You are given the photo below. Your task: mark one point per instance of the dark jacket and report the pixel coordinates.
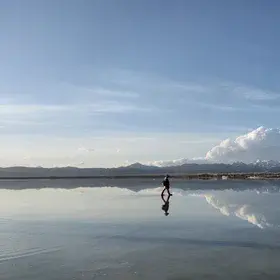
(166, 183)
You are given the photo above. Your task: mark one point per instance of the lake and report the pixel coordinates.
(117, 229)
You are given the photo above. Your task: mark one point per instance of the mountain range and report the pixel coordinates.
(245, 154)
(138, 169)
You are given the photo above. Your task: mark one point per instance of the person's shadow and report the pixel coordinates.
(165, 206)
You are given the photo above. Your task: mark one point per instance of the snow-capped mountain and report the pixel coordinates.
(268, 164)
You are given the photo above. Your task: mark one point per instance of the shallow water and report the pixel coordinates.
(76, 229)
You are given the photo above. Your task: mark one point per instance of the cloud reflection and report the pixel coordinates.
(260, 209)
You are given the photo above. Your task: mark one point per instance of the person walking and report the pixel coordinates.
(166, 185)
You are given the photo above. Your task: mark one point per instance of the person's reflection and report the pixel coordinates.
(165, 206)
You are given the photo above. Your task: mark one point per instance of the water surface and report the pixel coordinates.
(95, 229)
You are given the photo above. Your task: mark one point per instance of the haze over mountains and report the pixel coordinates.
(139, 169)
(256, 151)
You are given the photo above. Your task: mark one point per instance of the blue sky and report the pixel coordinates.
(100, 83)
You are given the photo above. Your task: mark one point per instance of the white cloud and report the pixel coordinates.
(147, 83)
(97, 107)
(25, 115)
(176, 162)
(220, 107)
(245, 107)
(190, 87)
(226, 90)
(91, 92)
(83, 149)
(24, 109)
(113, 149)
(111, 93)
(251, 93)
(117, 107)
(259, 144)
(116, 92)
(231, 97)
(95, 149)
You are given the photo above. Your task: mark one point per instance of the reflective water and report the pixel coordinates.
(79, 230)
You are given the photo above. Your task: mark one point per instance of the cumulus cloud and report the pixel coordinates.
(259, 144)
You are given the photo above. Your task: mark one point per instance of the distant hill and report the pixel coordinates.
(138, 169)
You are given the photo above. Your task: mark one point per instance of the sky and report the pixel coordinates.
(105, 83)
